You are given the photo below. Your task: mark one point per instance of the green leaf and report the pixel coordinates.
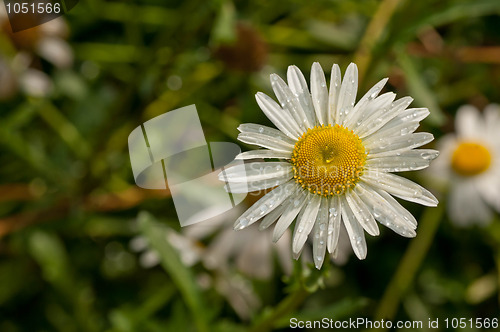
(224, 31)
(454, 13)
(419, 89)
(50, 254)
(180, 274)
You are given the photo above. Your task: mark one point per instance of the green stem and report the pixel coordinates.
(287, 305)
(410, 264)
(373, 34)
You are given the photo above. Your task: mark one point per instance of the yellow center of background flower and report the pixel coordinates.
(470, 159)
(328, 160)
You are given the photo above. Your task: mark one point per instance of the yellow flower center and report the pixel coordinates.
(328, 160)
(470, 159)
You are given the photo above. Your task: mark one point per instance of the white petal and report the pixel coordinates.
(465, 205)
(266, 141)
(289, 101)
(266, 204)
(362, 214)
(295, 205)
(270, 218)
(489, 188)
(492, 121)
(405, 123)
(335, 212)
(400, 187)
(347, 94)
(333, 97)
(358, 110)
(256, 171)
(440, 169)
(388, 146)
(319, 93)
(384, 212)
(246, 187)
(264, 130)
(469, 124)
(298, 85)
(408, 218)
(320, 234)
(383, 101)
(254, 154)
(411, 160)
(305, 222)
(354, 229)
(379, 118)
(281, 118)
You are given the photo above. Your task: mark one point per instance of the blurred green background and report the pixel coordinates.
(74, 227)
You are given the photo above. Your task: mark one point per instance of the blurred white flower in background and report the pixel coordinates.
(47, 40)
(469, 165)
(233, 258)
(20, 54)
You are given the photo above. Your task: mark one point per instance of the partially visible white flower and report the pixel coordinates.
(35, 83)
(15, 75)
(470, 165)
(219, 248)
(239, 293)
(48, 40)
(251, 253)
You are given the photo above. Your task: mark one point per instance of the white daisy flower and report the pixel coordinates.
(337, 158)
(470, 164)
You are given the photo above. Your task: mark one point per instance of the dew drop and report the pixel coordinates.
(427, 155)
